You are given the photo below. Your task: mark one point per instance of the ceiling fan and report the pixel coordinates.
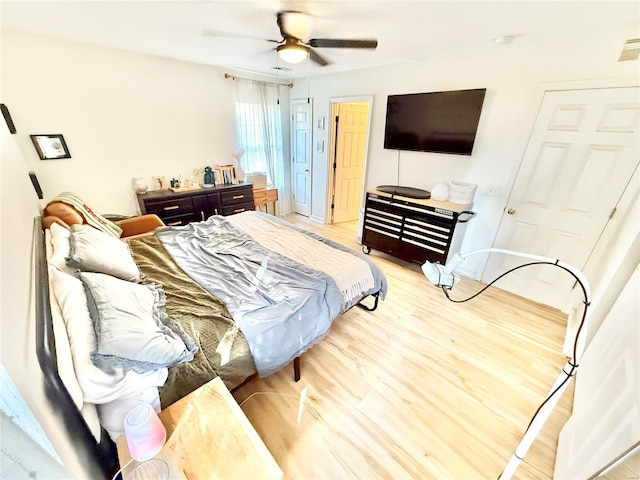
(294, 26)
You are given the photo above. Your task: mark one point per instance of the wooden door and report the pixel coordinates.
(605, 423)
(348, 166)
(301, 112)
(581, 154)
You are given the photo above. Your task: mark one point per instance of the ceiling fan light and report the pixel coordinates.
(293, 53)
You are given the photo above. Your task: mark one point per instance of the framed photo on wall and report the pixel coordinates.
(50, 147)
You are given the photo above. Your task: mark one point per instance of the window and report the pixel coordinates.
(259, 129)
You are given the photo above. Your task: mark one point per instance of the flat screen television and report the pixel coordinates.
(441, 122)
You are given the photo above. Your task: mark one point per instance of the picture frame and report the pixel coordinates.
(160, 183)
(50, 146)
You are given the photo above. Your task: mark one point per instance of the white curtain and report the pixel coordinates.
(259, 129)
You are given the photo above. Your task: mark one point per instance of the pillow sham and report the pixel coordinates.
(59, 247)
(133, 331)
(91, 250)
(97, 386)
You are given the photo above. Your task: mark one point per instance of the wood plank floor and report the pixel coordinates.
(420, 388)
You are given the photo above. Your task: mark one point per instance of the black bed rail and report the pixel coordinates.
(376, 297)
(99, 459)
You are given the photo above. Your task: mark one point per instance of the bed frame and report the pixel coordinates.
(95, 457)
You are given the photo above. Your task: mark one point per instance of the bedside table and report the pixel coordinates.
(264, 196)
(208, 436)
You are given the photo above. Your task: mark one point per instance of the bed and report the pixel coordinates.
(247, 294)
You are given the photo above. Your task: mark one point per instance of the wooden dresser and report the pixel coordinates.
(180, 208)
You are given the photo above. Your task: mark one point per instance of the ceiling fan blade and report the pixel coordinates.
(315, 57)
(217, 33)
(342, 43)
(293, 24)
(280, 22)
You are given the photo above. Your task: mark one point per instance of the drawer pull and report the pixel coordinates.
(239, 210)
(175, 207)
(202, 215)
(235, 197)
(215, 211)
(175, 223)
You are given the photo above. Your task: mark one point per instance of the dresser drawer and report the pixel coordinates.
(237, 208)
(236, 196)
(262, 196)
(170, 207)
(178, 219)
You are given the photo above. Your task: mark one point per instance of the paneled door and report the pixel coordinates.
(581, 154)
(351, 142)
(301, 111)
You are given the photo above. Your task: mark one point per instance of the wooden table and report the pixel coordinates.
(209, 437)
(262, 196)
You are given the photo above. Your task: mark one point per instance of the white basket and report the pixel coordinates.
(460, 192)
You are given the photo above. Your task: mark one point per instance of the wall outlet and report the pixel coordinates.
(493, 190)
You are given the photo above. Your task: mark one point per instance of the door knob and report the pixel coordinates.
(306, 170)
(511, 211)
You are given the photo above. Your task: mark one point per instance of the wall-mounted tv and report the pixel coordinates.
(441, 122)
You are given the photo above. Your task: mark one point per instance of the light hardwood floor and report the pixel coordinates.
(420, 388)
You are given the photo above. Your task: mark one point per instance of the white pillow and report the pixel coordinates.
(91, 250)
(90, 414)
(112, 414)
(97, 386)
(63, 352)
(60, 247)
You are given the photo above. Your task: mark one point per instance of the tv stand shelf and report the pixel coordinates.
(415, 230)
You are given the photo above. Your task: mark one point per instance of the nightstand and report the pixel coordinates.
(264, 196)
(208, 436)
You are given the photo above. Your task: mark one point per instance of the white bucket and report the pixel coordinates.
(460, 192)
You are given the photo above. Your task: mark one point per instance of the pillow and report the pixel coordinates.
(64, 359)
(133, 331)
(60, 247)
(91, 250)
(97, 386)
(112, 414)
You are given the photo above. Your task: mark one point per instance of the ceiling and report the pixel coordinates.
(406, 30)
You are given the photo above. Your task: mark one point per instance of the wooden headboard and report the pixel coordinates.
(99, 459)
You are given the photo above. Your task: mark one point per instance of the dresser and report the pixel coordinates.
(180, 208)
(414, 230)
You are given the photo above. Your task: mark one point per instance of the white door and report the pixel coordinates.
(581, 154)
(301, 111)
(605, 422)
(351, 142)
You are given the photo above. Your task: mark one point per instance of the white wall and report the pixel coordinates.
(122, 115)
(513, 75)
(17, 300)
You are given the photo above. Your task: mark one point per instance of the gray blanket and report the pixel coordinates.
(282, 307)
